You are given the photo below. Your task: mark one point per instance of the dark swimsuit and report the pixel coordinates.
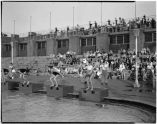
(23, 70)
(50, 66)
(53, 71)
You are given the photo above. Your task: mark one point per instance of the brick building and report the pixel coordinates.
(44, 45)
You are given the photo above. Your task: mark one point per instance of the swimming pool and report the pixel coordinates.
(17, 107)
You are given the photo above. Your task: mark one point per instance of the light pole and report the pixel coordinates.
(50, 21)
(30, 24)
(136, 33)
(101, 13)
(73, 19)
(12, 44)
(12, 50)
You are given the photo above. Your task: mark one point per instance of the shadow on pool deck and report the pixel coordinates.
(122, 90)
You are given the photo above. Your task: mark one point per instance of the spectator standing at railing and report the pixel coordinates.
(116, 21)
(90, 25)
(56, 30)
(109, 22)
(68, 29)
(153, 23)
(96, 26)
(114, 27)
(145, 21)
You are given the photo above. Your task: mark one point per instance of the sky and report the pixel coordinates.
(62, 14)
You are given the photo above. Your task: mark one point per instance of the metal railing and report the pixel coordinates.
(87, 30)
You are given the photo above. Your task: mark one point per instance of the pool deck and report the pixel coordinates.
(123, 90)
(118, 89)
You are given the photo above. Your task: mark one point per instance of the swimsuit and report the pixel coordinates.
(89, 71)
(55, 71)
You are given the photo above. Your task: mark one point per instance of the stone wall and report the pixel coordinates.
(30, 48)
(22, 62)
(74, 44)
(50, 46)
(102, 41)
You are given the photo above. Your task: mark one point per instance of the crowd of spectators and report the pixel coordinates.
(125, 61)
(118, 25)
(123, 64)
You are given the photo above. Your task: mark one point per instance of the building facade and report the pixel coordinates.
(44, 45)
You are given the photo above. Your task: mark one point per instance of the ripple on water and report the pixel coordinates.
(40, 108)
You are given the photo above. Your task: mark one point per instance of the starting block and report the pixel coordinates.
(97, 95)
(10, 85)
(31, 87)
(60, 91)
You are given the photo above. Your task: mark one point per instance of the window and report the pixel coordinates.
(64, 43)
(94, 41)
(83, 42)
(8, 47)
(126, 38)
(59, 43)
(48, 36)
(113, 39)
(119, 39)
(89, 41)
(24, 46)
(148, 37)
(43, 45)
(154, 36)
(21, 46)
(39, 45)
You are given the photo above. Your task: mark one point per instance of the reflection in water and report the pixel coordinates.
(17, 107)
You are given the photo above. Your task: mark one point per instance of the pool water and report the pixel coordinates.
(17, 107)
